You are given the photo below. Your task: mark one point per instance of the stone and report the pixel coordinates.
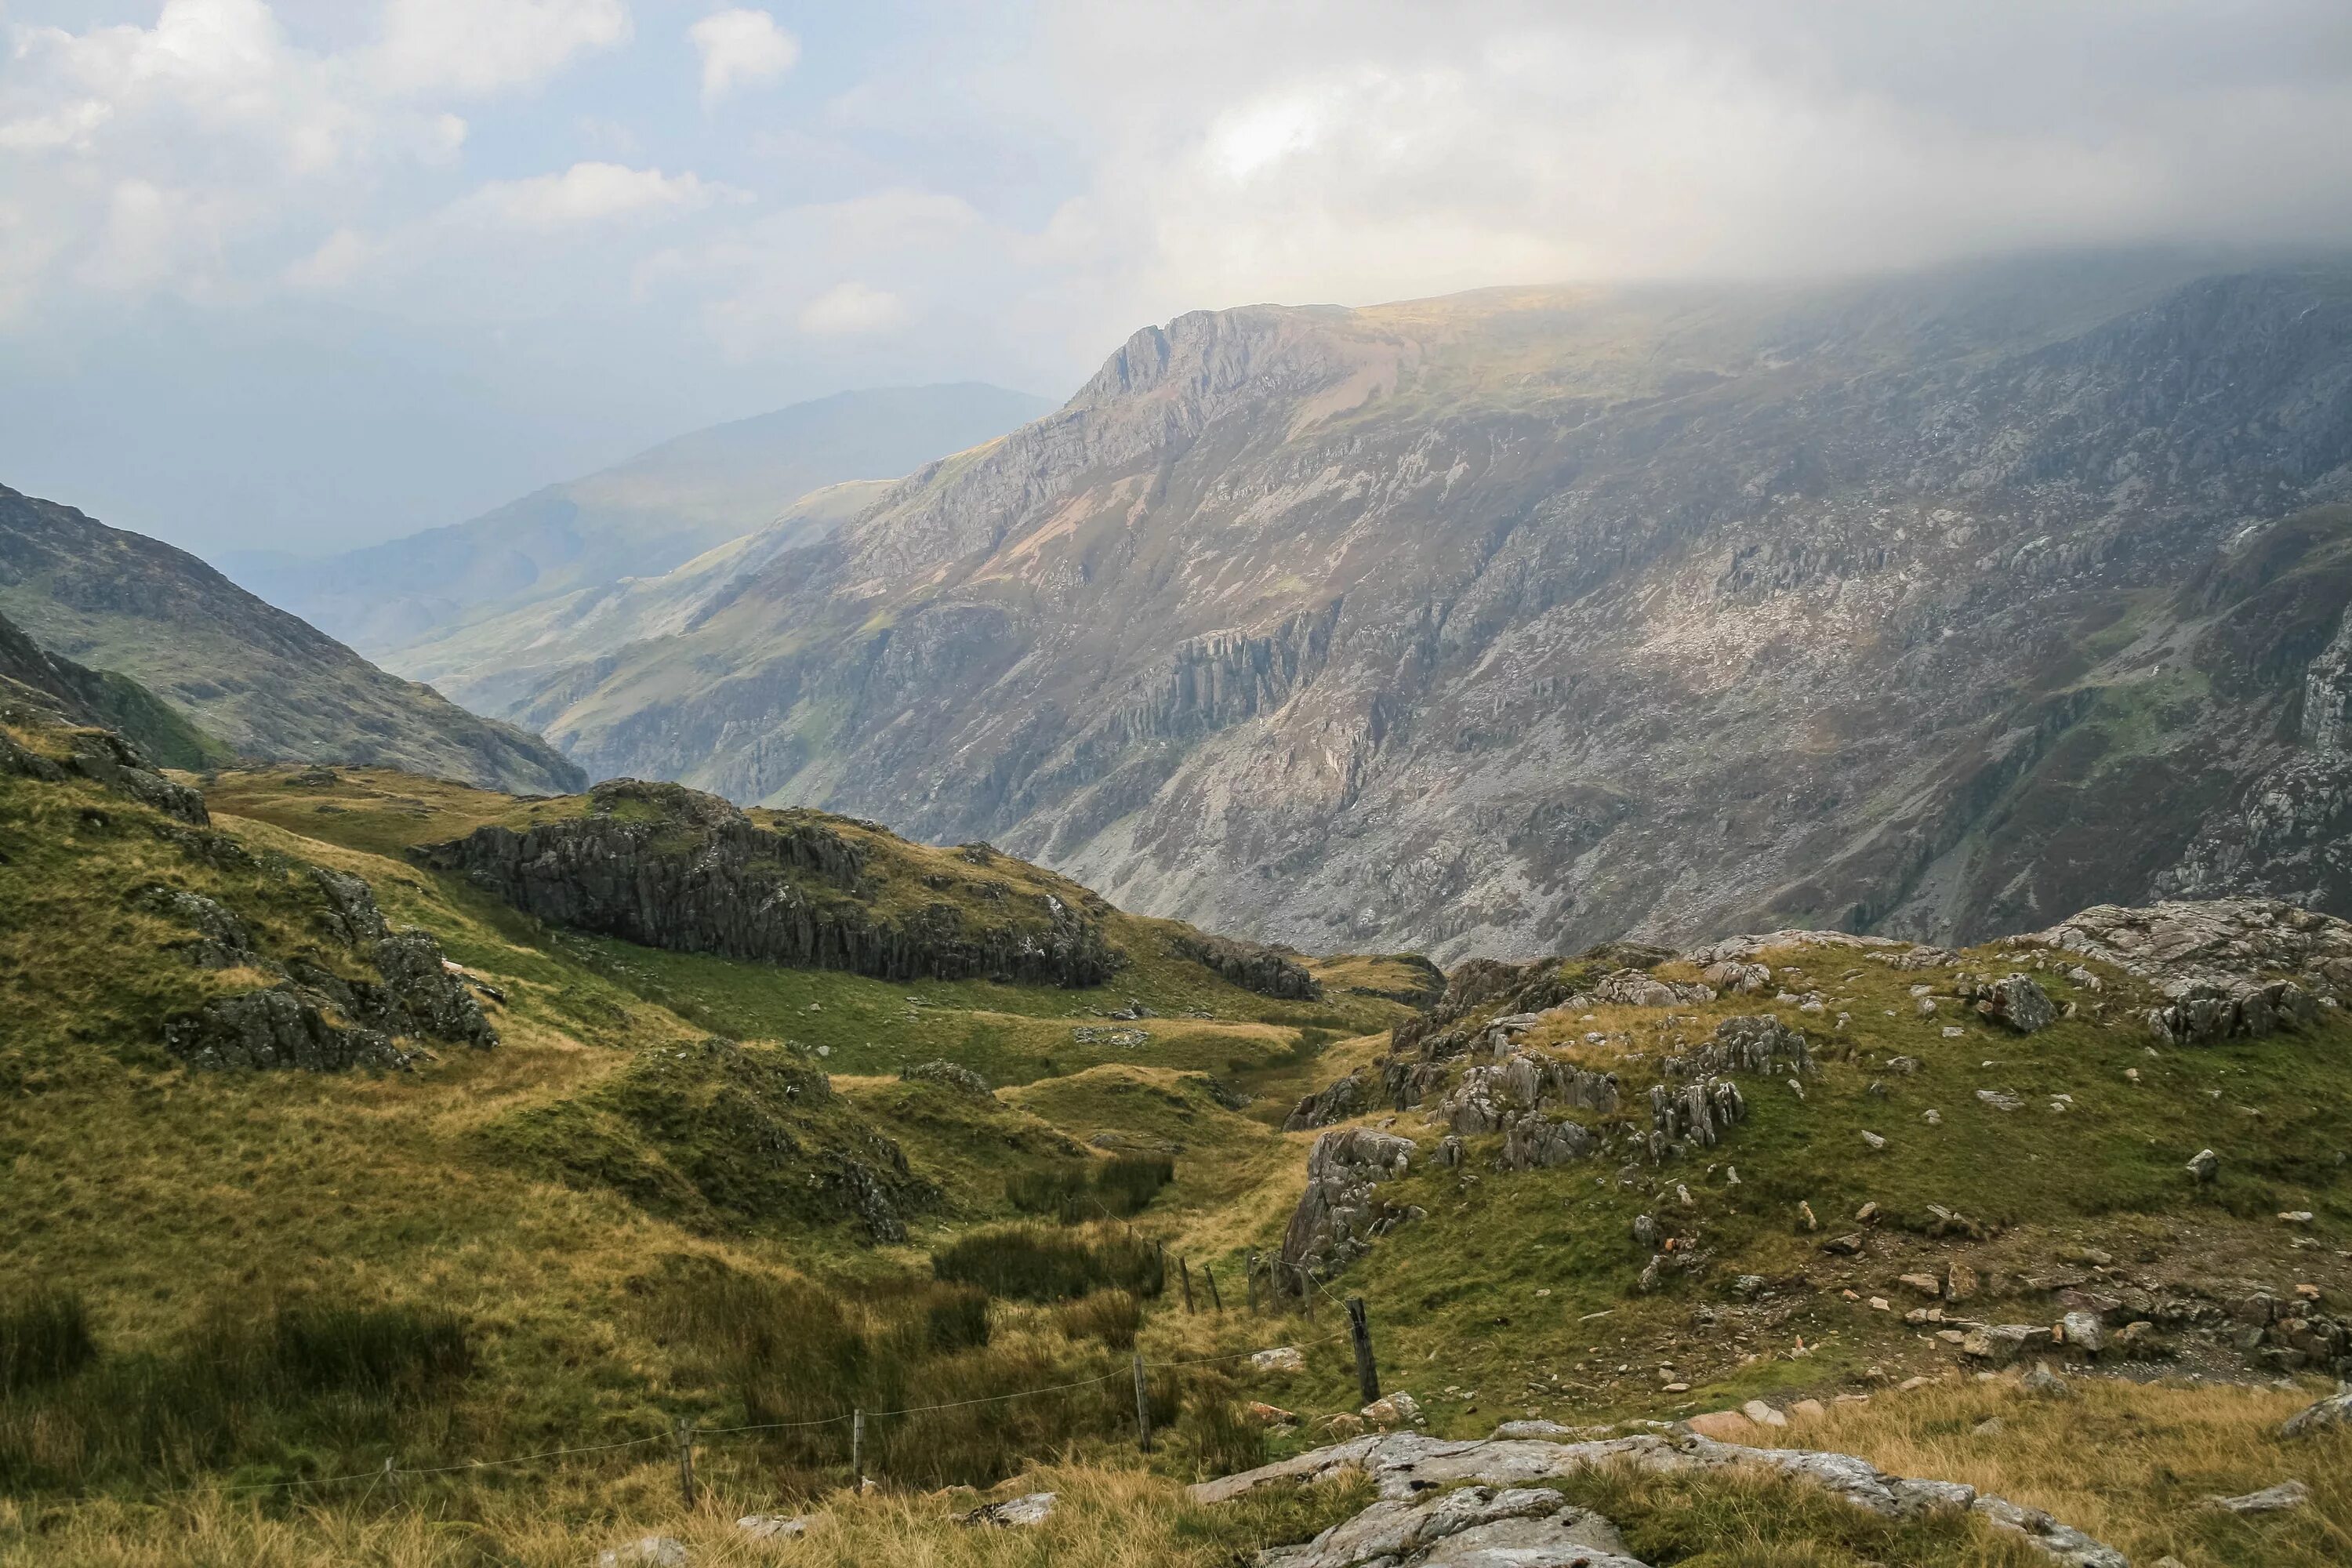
(645, 1551)
(1723, 1426)
(2331, 1415)
(2000, 1343)
(1646, 1230)
(1932, 1117)
(1959, 1282)
(1341, 1211)
(955, 1075)
(1807, 1410)
(2018, 1002)
(1763, 1415)
(2204, 1165)
(1873, 1140)
(1845, 1246)
(1923, 1284)
(1034, 1507)
(1469, 1527)
(1351, 1096)
(2000, 1099)
(772, 1526)
(1282, 1358)
(1392, 1410)
(1270, 1415)
(2083, 1332)
(2045, 1383)
(2279, 1498)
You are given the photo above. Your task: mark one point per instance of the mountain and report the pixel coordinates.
(492, 663)
(1934, 605)
(103, 700)
(264, 682)
(637, 519)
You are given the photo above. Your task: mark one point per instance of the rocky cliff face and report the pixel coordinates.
(672, 867)
(1512, 622)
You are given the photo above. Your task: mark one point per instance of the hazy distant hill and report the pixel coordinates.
(637, 519)
(261, 680)
(1938, 605)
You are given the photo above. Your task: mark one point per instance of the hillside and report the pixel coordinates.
(396, 602)
(263, 682)
(102, 699)
(345, 1121)
(1935, 605)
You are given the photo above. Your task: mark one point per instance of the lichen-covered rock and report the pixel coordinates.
(1344, 1098)
(2017, 1000)
(1341, 1211)
(1252, 966)
(2329, 1414)
(279, 1028)
(955, 1075)
(670, 868)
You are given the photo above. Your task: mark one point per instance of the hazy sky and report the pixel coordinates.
(314, 272)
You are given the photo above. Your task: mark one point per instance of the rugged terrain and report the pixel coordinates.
(101, 698)
(1503, 624)
(414, 603)
(350, 1119)
(264, 684)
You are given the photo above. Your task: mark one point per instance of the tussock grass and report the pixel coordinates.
(1117, 1188)
(44, 1337)
(1030, 1263)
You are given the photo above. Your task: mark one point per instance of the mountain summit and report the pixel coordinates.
(1527, 618)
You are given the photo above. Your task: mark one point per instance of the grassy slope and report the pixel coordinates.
(168, 1198)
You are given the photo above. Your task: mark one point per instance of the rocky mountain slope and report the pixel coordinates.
(266, 684)
(637, 519)
(1506, 623)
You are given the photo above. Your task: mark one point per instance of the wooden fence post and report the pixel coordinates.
(857, 1450)
(685, 1461)
(1142, 1406)
(1368, 1377)
(1249, 1280)
(1184, 1272)
(1215, 1299)
(1306, 1291)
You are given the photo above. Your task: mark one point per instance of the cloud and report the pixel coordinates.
(482, 46)
(741, 49)
(851, 308)
(582, 194)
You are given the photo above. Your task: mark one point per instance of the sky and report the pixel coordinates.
(308, 274)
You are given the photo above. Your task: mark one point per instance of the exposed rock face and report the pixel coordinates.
(955, 1075)
(1470, 626)
(2327, 1415)
(106, 759)
(1341, 1210)
(1253, 966)
(2015, 1000)
(2221, 964)
(1347, 1097)
(318, 1018)
(672, 867)
(1413, 1474)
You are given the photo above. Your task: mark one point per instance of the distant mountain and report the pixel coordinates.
(638, 519)
(493, 664)
(263, 681)
(105, 700)
(1938, 606)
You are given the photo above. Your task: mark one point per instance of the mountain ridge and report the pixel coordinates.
(1473, 623)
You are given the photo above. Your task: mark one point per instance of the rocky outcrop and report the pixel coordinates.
(2224, 967)
(2015, 1000)
(955, 1075)
(1342, 1211)
(1417, 1520)
(1351, 1096)
(318, 1018)
(108, 760)
(671, 867)
(1253, 966)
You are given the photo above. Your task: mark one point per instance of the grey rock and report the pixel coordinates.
(1471, 1527)
(1351, 1096)
(1253, 966)
(2018, 1001)
(955, 1075)
(1034, 1507)
(666, 867)
(645, 1551)
(772, 1526)
(1341, 1211)
(1997, 1344)
(2045, 1383)
(2331, 1414)
(2204, 1165)
(2279, 1498)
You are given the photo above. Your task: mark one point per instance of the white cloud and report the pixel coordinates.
(483, 46)
(583, 194)
(741, 49)
(851, 308)
(334, 264)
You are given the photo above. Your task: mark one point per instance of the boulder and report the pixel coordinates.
(1999, 1344)
(2204, 1165)
(1723, 1426)
(772, 1526)
(1351, 1096)
(1281, 1359)
(1341, 1211)
(1035, 1508)
(2331, 1415)
(955, 1075)
(645, 1551)
(2279, 1498)
(2017, 1000)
